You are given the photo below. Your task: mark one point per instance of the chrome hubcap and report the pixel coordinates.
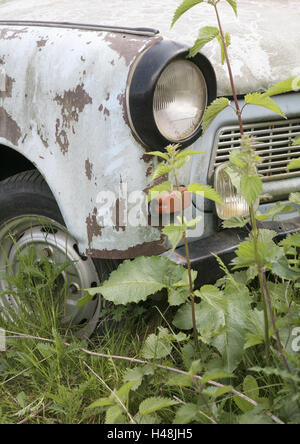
(43, 238)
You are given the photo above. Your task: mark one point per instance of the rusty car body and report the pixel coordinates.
(78, 80)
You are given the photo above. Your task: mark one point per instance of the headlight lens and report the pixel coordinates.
(234, 204)
(180, 99)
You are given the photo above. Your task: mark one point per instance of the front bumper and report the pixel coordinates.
(223, 244)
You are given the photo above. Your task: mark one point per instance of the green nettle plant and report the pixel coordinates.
(245, 321)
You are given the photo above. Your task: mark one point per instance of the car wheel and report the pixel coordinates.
(30, 221)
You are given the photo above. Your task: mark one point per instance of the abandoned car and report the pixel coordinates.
(88, 90)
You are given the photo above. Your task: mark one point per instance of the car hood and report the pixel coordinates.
(265, 37)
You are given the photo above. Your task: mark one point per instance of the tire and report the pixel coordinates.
(30, 220)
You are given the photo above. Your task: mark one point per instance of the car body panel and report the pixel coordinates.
(263, 35)
(63, 108)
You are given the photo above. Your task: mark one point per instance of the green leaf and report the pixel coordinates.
(123, 391)
(178, 296)
(213, 110)
(186, 414)
(243, 405)
(154, 404)
(205, 191)
(161, 170)
(183, 8)
(159, 154)
(282, 87)
(180, 380)
(233, 4)
(214, 375)
(157, 346)
(235, 222)
(158, 190)
(174, 233)
(215, 392)
(251, 388)
(188, 153)
(205, 35)
(102, 402)
(294, 164)
(135, 280)
(276, 209)
(183, 317)
(114, 415)
(264, 101)
(296, 141)
(251, 188)
(295, 198)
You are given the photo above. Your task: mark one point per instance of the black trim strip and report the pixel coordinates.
(120, 29)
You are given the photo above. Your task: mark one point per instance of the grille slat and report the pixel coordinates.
(274, 145)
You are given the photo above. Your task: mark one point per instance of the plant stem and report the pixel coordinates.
(261, 276)
(237, 106)
(189, 268)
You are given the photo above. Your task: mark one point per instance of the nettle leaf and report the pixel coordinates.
(276, 209)
(156, 191)
(186, 414)
(174, 233)
(264, 101)
(205, 35)
(157, 346)
(213, 110)
(251, 388)
(221, 318)
(296, 141)
(188, 153)
(295, 198)
(154, 404)
(205, 191)
(183, 8)
(233, 4)
(159, 154)
(178, 296)
(251, 188)
(135, 280)
(161, 170)
(282, 87)
(235, 222)
(115, 415)
(294, 164)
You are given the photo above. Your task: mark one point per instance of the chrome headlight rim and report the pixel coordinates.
(142, 85)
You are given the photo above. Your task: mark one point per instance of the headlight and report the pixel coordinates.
(180, 99)
(167, 95)
(234, 204)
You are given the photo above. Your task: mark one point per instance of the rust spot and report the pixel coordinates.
(112, 62)
(127, 49)
(7, 88)
(41, 43)
(107, 96)
(24, 138)
(105, 110)
(10, 33)
(146, 158)
(9, 129)
(82, 59)
(149, 171)
(122, 101)
(73, 103)
(2, 61)
(93, 228)
(61, 138)
(145, 249)
(44, 141)
(88, 169)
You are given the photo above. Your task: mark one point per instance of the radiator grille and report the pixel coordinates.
(274, 146)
